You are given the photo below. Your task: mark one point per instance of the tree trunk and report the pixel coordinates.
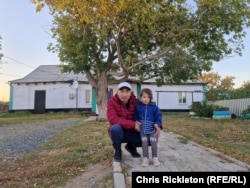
(101, 98)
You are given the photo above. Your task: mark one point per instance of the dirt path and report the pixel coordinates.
(93, 177)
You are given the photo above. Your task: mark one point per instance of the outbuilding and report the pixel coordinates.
(47, 88)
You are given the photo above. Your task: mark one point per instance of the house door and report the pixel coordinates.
(109, 93)
(39, 102)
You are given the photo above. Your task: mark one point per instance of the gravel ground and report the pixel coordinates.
(17, 140)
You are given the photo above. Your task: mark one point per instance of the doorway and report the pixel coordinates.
(39, 107)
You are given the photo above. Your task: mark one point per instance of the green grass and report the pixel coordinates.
(68, 154)
(230, 136)
(60, 159)
(26, 116)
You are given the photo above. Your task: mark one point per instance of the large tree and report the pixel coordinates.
(117, 40)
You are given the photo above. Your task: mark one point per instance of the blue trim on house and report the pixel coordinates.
(204, 93)
(138, 90)
(11, 98)
(93, 104)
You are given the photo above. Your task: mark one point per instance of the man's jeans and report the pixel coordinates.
(119, 136)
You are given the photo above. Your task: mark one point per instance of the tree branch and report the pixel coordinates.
(117, 42)
(156, 56)
(90, 78)
(118, 74)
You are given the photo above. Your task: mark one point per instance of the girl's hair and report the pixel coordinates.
(148, 92)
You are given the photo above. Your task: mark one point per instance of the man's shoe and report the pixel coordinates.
(132, 151)
(118, 155)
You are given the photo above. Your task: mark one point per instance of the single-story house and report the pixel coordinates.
(48, 89)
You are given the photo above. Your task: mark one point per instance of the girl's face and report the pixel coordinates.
(145, 98)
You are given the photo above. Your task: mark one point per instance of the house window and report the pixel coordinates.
(182, 97)
(87, 96)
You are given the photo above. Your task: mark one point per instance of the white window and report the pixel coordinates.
(87, 96)
(182, 97)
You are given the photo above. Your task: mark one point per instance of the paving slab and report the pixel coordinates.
(177, 154)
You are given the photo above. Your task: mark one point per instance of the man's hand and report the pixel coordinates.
(138, 126)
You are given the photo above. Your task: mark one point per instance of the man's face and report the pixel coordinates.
(124, 94)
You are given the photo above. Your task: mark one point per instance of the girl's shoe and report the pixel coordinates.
(144, 162)
(156, 161)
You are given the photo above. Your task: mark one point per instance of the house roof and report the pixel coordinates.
(53, 73)
(50, 73)
(187, 82)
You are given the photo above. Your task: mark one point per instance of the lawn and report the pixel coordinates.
(68, 154)
(230, 136)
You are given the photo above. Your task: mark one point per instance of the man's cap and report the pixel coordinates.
(124, 84)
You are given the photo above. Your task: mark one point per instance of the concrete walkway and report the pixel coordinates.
(176, 155)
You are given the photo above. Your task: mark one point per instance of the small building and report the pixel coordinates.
(48, 89)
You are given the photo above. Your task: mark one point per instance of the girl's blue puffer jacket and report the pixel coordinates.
(148, 115)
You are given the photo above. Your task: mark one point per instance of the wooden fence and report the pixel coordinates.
(236, 106)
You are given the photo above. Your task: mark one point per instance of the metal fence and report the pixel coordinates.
(236, 106)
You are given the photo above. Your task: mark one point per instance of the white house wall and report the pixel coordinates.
(58, 96)
(21, 98)
(169, 100)
(82, 96)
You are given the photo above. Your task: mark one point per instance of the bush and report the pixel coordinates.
(202, 109)
(246, 111)
(195, 107)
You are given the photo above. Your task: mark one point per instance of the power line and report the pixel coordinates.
(32, 68)
(46, 31)
(18, 62)
(10, 75)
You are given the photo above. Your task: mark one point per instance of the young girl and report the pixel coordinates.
(151, 124)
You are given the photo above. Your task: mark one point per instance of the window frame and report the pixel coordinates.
(87, 96)
(182, 97)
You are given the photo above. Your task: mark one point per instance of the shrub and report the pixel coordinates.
(196, 106)
(202, 109)
(246, 111)
(233, 116)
